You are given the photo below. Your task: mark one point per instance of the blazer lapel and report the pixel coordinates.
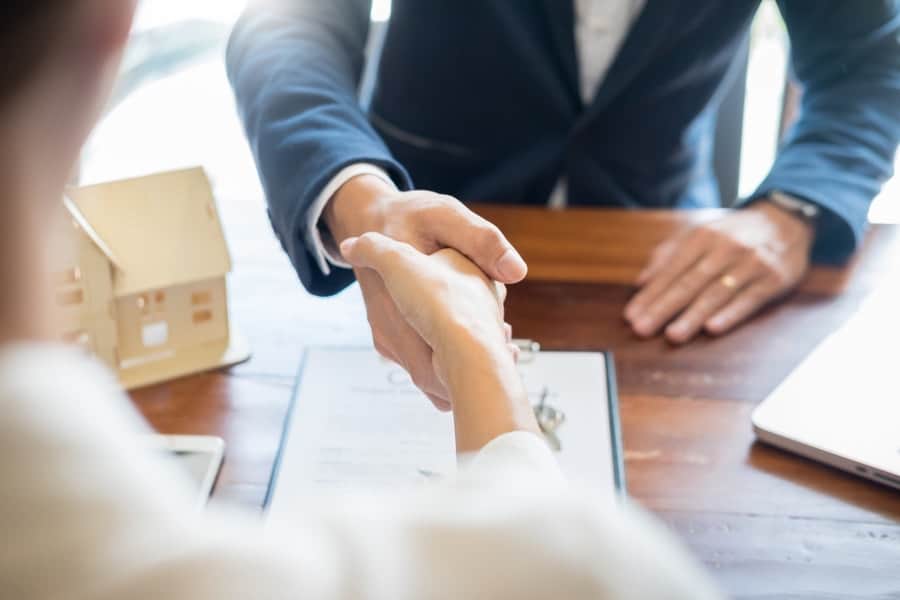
(649, 31)
(560, 16)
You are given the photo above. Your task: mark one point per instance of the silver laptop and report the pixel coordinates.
(841, 406)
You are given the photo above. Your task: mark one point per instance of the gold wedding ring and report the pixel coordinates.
(729, 281)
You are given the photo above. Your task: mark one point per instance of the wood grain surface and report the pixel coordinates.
(767, 524)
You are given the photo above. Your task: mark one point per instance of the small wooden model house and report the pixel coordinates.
(144, 285)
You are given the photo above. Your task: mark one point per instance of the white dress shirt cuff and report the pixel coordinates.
(321, 243)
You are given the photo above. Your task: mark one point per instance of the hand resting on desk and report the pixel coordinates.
(717, 275)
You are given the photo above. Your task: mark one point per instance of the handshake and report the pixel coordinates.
(451, 314)
(433, 281)
(432, 278)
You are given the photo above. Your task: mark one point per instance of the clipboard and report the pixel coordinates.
(333, 439)
(530, 349)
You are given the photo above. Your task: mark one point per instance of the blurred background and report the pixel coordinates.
(173, 106)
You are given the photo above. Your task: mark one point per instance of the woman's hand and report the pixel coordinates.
(458, 311)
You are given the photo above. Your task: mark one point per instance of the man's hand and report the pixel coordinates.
(714, 276)
(428, 222)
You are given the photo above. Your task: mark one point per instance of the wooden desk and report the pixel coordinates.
(767, 524)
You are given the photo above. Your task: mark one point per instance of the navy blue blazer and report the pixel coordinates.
(480, 99)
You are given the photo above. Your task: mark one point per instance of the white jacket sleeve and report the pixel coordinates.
(87, 513)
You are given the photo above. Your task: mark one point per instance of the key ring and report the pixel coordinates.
(549, 419)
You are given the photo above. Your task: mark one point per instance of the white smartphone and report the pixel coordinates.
(200, 456)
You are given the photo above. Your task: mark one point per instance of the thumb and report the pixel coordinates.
(367, 251)
(378, 252)
(482, 242)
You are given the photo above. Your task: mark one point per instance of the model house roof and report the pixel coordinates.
(158, 231)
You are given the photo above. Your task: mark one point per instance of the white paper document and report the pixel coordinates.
(358, 421)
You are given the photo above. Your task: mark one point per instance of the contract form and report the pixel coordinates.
(357, 421)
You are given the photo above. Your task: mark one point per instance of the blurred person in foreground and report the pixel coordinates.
(86, 512)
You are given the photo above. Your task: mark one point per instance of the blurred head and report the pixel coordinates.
(58, 62)
(59, 58)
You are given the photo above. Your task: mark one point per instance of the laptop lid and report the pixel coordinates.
(841, 405)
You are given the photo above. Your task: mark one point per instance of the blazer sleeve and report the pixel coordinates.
(295, 66)
(846, 56)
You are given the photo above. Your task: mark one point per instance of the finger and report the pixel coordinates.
(439, 403)
(742, 306)
(681, 292)
(686, 253)
(507, 329)
(421, 372)
(418, 362)
(660, 257)
(480, 240)
(417, 359)
(403, 345)
(391, 261)
(388, 257)
(716, 295)
(362, 253)
(383, 350)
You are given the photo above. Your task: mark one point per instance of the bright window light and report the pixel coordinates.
(381, 10)
(158, 13)
(766, 75)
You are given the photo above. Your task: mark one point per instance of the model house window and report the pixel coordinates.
(202, 316)
(201, 298)
(155, 334)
